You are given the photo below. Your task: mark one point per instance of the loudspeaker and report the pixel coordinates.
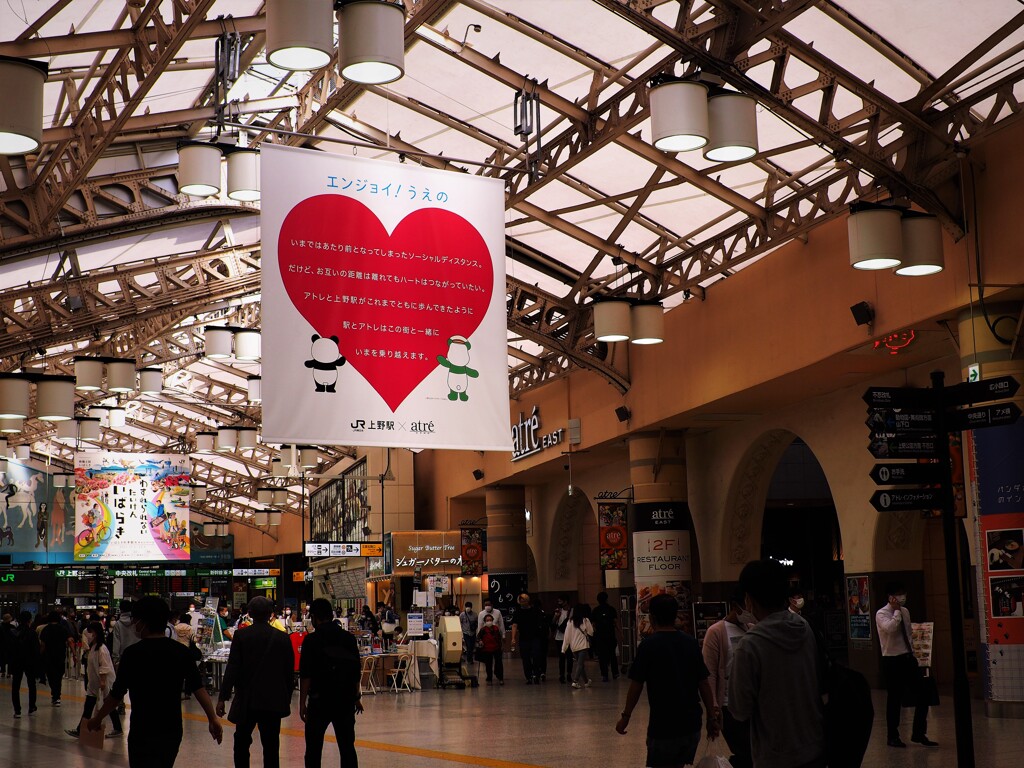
(478, 474)
(622, 412)
(863, 313)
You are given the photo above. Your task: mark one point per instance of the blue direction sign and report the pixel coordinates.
(903, 501)
(906, 474)
(981, 391)
(910, 447)
(986, 416)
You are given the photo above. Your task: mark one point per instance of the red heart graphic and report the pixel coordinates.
(393, 300)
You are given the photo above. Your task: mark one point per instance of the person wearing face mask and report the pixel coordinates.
(900, 668)
(489, 648)
(719, 644)
(490, 610)
(100, 678)
(796, 601)
(470, 624)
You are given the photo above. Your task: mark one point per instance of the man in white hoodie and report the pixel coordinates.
(490, 610)
(774, 679)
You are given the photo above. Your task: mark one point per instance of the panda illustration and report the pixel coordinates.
(325, 362)
(459, 372)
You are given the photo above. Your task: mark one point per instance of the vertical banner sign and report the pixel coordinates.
(131, 507)
(383, 304)
(661, 560)
(858, 607)
(611, 535)
(474, 551)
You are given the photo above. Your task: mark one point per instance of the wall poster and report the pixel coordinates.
(37, 522)
(858, 607)
(611, 535)
(383, 304)
(661, 560)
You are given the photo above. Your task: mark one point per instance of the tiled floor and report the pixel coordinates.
(514, 726)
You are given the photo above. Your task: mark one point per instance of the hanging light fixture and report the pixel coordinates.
(921, 234)
(88, 374)
(209, 529)
(55, 398)
(217, 341)
(300, 36)
(875, 235)
(15, 394)
(120, 376)
(151, 381)
(247, 344)
(227, 439)
(371, 40)
(648, 323)
(679, 115)
(10, 426)
(223, 529)
(732, 125)
(60, 480)
(198, 168)
(287, 456)
(89, 428)
(243, 174)
(21, 93)
(280, 496)
(3, 445)
(67, 430)
(205, 441)
(273, 517)
(246, 438)
(198, 492)
(265, 495)
(117, 417)
(611, 320)
(255, 387)
(260, 519)
(278, 469)
(23, 452)
(309, 457)
(101, 414)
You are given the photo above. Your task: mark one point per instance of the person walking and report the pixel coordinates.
(24, 660)
(153, 671)
(902, 674)
(490, 649)
(259, 671)
(578, 633)
(368, 621)
(7, 627)
(123, 633)
(719, 643)
(329, 672)
(99, 678)
(469, 621)
(490, 610)
(606, 637)
(526, 637)
(669, 663)
(54, 643)
(559, 619)
(774, 681)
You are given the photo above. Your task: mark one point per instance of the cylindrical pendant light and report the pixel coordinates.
(247, 345)
(732, 123)
(217, 341)
(648, 324)
(244, 174)
(199, 169)
(59, 480)
(679, 115)
(288, 455)
(371, 41)
(246, 438)
(15, 394)
(227, 438)
(101, 414)
(255, 386)
(21, 93)
(273, 517)
(205, 441)
(67, 430)
(210, 529)
(611, 320)
(278, 469)
(23, 452)
(309, 457)
(198, 493)
(151, 381)
(260, 519)
(921, 234)
(55, 398)
(265, 495)
(875, 235)
(280, 496)
(13, 426)
(117, 417)
(300, 36)
(223, 529)
(89, 428)
(3, 445)
(120, 376)
(88, 374)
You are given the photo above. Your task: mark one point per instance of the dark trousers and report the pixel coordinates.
(89, 708)
(153, 748)
(532, 652)
(18, 673)
(343, 718)
(737, 736)
(564, 665)
(469, 643)
(55, 677)
(269, 724)
(493, 664)
(605, 647)
(902, 679)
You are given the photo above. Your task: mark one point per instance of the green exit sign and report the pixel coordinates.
(265, 582)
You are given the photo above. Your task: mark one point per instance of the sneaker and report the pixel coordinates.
(115, 734)
(588, 683)
(56, 703)
(32, 710)
(924, 741)
(576, 686)
(17, 715)
(72, 732)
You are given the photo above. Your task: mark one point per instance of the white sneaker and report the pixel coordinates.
(577, 686)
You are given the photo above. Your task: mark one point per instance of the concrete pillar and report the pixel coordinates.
(998, 472)
(506, 529)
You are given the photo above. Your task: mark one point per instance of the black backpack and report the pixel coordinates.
(849, 713)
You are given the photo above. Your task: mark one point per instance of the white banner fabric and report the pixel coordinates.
(383, 304)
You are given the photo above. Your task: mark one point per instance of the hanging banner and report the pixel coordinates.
(383, 304)
(611, 535)
(131, 507)
(36, 519)
(661, 560)
(474, 551)
(210, 549)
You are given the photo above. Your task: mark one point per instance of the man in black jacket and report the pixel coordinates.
(329, 672)
(23, 661)
(259, 670)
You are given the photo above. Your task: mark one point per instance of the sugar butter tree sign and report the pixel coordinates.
(383, 304)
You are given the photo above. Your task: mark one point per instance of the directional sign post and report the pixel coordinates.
(980, 391)
(901, 421)
(905, 501)
(910, 447)
(986, 416)
(899, 397)
(906, 474)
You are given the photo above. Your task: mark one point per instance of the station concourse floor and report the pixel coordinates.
(513, 726)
